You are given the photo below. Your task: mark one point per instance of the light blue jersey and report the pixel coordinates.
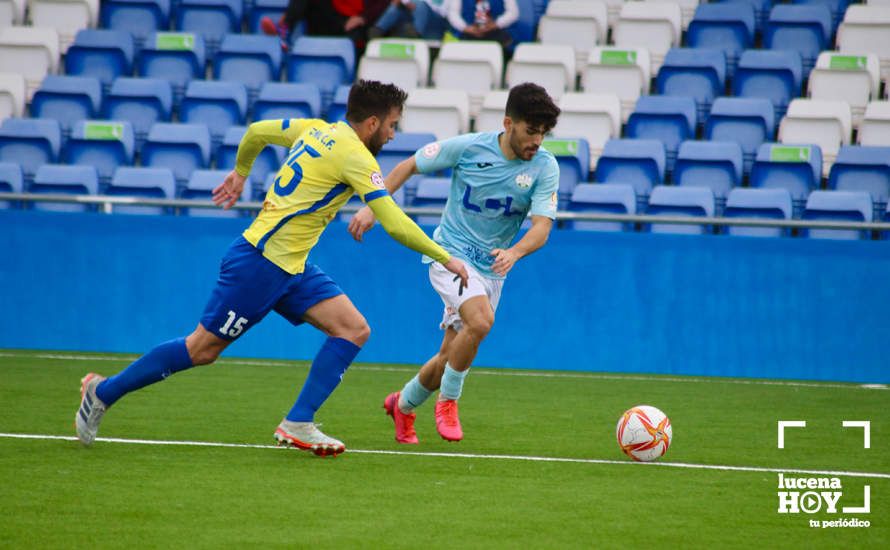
(490, 196)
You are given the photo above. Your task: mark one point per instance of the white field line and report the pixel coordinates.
(487, 372)
(470, 456)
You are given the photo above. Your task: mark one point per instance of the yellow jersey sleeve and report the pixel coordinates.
(259, 134)
(401, 228)
(362, 173)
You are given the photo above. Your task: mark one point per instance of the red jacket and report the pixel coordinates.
(370, 10)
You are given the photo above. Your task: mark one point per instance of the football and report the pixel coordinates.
(644, 433)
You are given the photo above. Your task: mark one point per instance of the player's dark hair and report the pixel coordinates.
(531, 103)
(369, 98)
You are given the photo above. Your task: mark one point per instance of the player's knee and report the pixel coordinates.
(480, 325)
(356, 331)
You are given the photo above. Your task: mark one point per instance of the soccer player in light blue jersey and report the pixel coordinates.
(498, 179)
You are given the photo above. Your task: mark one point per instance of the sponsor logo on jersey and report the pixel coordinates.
(524, 181)
(377, 180)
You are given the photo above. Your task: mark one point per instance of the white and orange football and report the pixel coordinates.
(644, 433)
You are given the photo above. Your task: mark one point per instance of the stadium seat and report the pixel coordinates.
(836, 7)
(687, 10)
(142, 101)
(655, 26)
(337, 109)
(183, 148)
(581, 25)
(596, 118)
(12, 95)
(696, 73)
(58, 179)
(795, 168)
(32, 52)
(854, 206)
(855, 79)
(278, 100)
(273, 9)
(200, 187)
(573, 157)
(102, 54)
(267, 162)
(728, 26)
(523, 30)
(325, 61)
(680, 201)
(68, 99)
(402, 146)
(602, 198)
(445, 112)
(713, 164)
(431, 192)
(863, 169)
(491, 116)
(474, 67)
(624, 72)
(772, 74)
(260, 194)
(404, 62)
(30, 142)
(12, 180)
(875, 127)
(105, 144)
(175, 57)
(805, 29)
(138, 17)
(772, 204)
(823, 122)
(251, 60)
(867, 29)
(746, 121)
(637, 162)
(66, 16)
(12, 12)
(551, 66)
(761, 11)
(155, 183)
(217, 105)
(672, 120)
(212, 19)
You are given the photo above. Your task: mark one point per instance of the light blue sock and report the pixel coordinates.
(452, 383)
(156, 365)
(325, 374)
(413, 395)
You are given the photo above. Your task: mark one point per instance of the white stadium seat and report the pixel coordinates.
(651, 25)
(404, 62)
(491, 116)
(687, 10)
(867, 29)
(475, 67)
(620, 71)
(12, 95)
(444, 113)
(848, 77)
(32, 52)
(581, 25)
(594, 117)
(614, 9)
(12, 12)
(826, 123)
(551, 66)
(875, 127)
(66, 16)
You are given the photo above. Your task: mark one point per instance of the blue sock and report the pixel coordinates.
(413, 395)
(325, 374)
(154, 366)
(452, 383)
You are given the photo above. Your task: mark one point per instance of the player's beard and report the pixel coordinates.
(524, 154)
(377, 141)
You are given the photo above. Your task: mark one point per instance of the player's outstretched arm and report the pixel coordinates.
(261, 133)
(228, 192)
(363, 220)
(534, 238)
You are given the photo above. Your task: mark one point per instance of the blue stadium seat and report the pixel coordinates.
(671, 120)
(776, 75)
(251, 60)
(138, 17)
(637, 162)
(855, 206)
(680, 201)
(602, 198)
(573, 157)
(697, 73)
(805, 29)
(59, 179)
(155, 183)
(218, 105)
(761, 11)
(12, 180)
(212, 19)
(141, 101)
(402, 146)
(431, 192)
(260, 194)
(797, 168)
(772, 204)
(102, 54)
(278, 100)
(337, 109)
(105, 144)
(267, 162)
(713, 164)
(274, 9)
(183, 148)
(67, 99)
(176, 57)
(861, 168)
(200, 186)
(837, 8)
(727, 26)
(326, 62)
(30, 142)
(746, 121)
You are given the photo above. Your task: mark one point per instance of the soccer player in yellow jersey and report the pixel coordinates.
(266, 268)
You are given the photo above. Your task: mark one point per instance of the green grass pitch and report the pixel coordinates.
(56, 494)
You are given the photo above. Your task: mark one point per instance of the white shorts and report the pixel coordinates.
(449, 290)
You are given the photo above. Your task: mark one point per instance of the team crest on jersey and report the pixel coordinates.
(524, 181)
(377, 180)
(430, 150)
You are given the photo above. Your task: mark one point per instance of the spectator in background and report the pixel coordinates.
(413, 19)
(349, 18)
(484, 19)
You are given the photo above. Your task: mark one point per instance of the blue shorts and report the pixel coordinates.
(250, 286)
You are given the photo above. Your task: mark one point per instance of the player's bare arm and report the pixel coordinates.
(534, 238)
